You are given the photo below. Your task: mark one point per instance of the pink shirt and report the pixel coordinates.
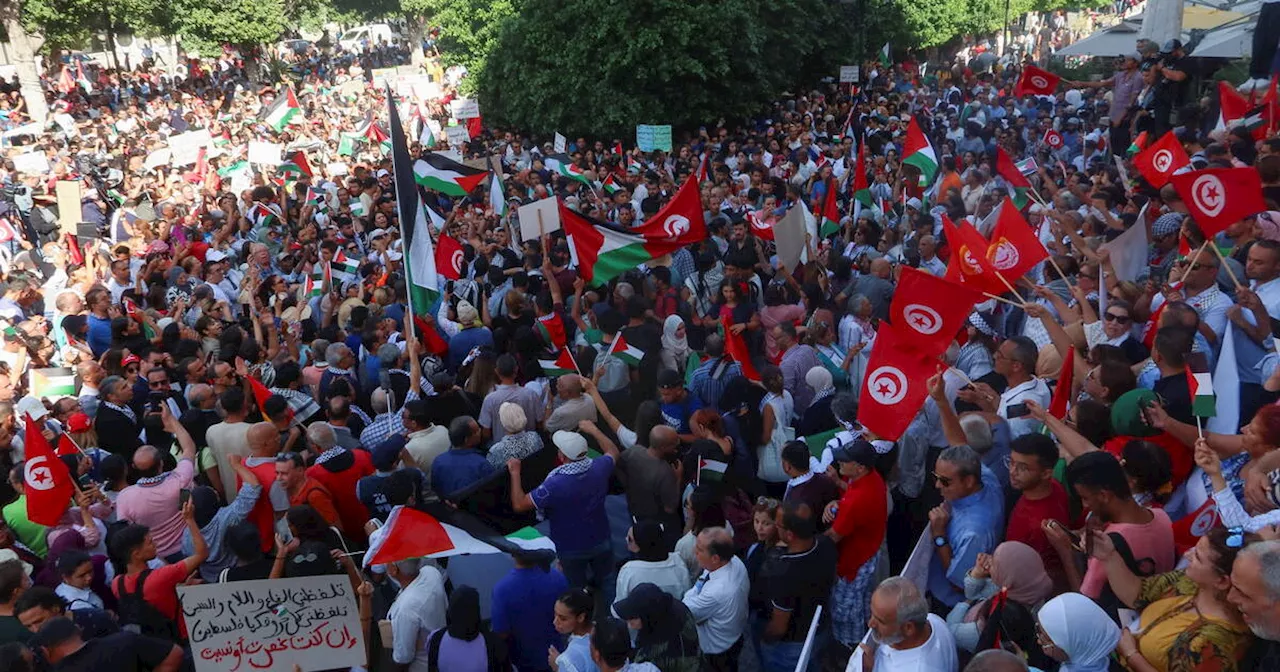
(1151, 542)
(772, 316)
(156, 506)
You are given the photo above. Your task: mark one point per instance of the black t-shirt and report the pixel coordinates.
(121, 652)
(1177, 397)
(800, 582)
(254, 571)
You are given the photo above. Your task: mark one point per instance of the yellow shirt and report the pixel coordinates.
(1176, 637)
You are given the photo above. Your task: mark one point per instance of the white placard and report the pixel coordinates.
(31, 163)
(274, 624)
(548, 209)
(788, 234)
(158, 158)
(264, 153)
(561, 144)
(464, 108)
(849, 74)
(456, 135)
(185, 147)
(67, 123)
(336, 169)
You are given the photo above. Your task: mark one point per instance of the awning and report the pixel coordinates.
(1232, 41)
(1117, 40)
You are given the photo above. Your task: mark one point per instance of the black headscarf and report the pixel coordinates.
(662, 619)
(464, 613)
(205, 501)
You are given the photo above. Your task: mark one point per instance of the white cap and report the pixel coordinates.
(213, 256)
(392, 255)
(571, 444)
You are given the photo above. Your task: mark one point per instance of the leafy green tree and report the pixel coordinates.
(469, 31)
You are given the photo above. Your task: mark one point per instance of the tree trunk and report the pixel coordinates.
(417, 30)
(25, 45)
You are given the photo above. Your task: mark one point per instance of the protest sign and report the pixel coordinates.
(381, 76)
(849, 74)
(31, 163)
(456, 135)
(312, 622)
(545, 212)
(337, 169)
(561, 143)
(185, 147)
(68, 195)
(650, 138)
(157, 159)
(53, 383)
(464, 108)
(67, 123)
(264, 153)
(788, 234)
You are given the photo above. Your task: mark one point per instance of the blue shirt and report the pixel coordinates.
(524, 605)
(572, 501)
(458, 468)
(677, 415)
(99, 335)
(977, 523)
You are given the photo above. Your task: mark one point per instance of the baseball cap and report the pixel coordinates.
(670, 378)
(633, 605)
(860, 451)
(386, 454)
(571, 444)
(383, 173)
(1171, 46)
(79, 422)
(214, 255)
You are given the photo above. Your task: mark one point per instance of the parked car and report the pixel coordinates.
(357, 38)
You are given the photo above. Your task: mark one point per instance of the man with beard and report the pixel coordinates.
(904, 635)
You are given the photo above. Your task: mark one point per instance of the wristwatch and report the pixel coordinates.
(940, 541)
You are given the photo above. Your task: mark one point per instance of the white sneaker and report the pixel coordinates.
(1253, 84)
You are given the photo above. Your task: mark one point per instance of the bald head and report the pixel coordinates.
(146, 461)
(263, 439)
(881, 268)
(714, 548)
(569, 387)
(663, 440)
(996, 660)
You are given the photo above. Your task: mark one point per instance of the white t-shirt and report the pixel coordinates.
(938, 654)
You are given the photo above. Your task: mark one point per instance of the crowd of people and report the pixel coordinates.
(256, 396)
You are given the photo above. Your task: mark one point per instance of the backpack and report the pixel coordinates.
(141, 617)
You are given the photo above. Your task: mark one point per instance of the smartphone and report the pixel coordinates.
(1016, 411)
(183, 497)
(1075, 538)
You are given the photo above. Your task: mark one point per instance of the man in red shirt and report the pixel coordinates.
(304, 490)
(135, 546)
(1032, 458)
(858, 523)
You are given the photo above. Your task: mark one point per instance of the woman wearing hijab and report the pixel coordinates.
(1073, 630)
(652, 563)
(1014, 572)
(818, 418)
(667, 634)
(463, 645)
(675, 344)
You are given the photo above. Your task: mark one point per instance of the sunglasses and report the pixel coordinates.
(942, 480)
(1197, 266)
(1122, 319)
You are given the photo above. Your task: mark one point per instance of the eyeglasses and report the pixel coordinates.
(1088, 277)
(1197, 266)
(1235, 537)
(942, 480)
(1122, 319)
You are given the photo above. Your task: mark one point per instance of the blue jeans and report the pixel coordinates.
(781, 656)
(593, 568)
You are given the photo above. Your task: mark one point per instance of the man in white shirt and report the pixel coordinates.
(718, 599)
(418, 611)
(1015, 359)
(904, 635)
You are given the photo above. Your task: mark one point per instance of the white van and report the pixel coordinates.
(357, 38)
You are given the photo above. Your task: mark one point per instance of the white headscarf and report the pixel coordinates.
(1083, 631)
(678, 346)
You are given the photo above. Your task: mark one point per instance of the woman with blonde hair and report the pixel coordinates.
(518, 442)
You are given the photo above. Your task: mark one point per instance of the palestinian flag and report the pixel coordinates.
(919, 153)
(317, 200)
(264, 215)
(562, 164)
(861, 188)
(562, 365)
(551, 327)
(347, 144)
(288, 174)
(702, 169)
(610, 185)
(410, 533)
(346, 268)
(885, 56)
(497, 190)
(297, 162)
(604, 252)
(1139, 143)
(428, 137)
(1018, 185)
(1203, 400)
(625, 351)
(283, 109)
(829, 221)
(711, 470)
(357, 207)
(443, 174)
(313, 288)
(437, 220)
(530, 539)
(420, 259)
(241, 166)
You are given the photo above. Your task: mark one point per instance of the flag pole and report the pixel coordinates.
(1021, 302)
(1223, 261)
(1191, 260)
(1001, 299)
(1199, 429)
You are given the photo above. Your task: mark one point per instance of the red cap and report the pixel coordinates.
(79, 422)
(131, 359)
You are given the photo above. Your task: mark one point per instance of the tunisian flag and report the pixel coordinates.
(1220, 197)
(1035, 81)
(968, 263)
(680, 221)
(1161, 160)
(928, 311)
(1015, 248)
(48, 485)
(449, 258)
(895, 386)
(736, 348)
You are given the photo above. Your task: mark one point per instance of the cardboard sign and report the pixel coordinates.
(381, 76)
(274, 624)
(561, 143)
(32, 163)
(68, 194)
(652, 138)
(456, 135)
(849, 74)
(545, 212)
(158, 159)
(185, 147)
(264, 153)
(67, 123)
(464, 108)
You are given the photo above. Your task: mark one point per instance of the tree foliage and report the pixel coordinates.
(469, 30)
(586, 68)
